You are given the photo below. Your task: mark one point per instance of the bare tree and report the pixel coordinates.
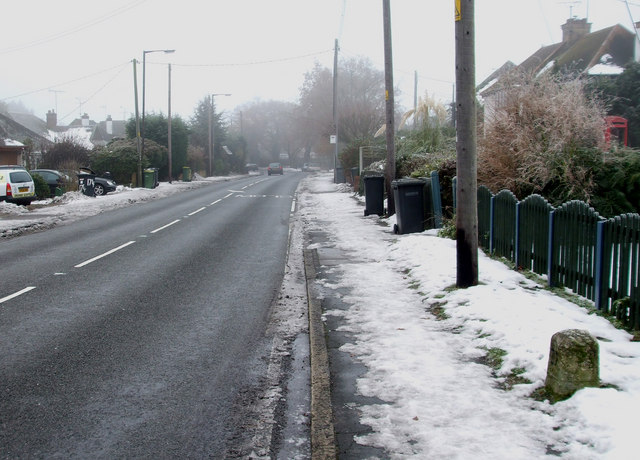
(361, 102)
(269, 129)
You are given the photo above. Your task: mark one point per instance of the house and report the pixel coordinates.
(11, 152)
(86, 131)
(106, 131)
(23, 136)
(581, 50)
(604, 52)
(14, 138)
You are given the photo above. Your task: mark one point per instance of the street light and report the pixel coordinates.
(144, 62)
(169, 130)
(211, 143)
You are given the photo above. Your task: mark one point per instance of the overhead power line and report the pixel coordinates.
(59, 35)
(100, 72)
(250, 63)
(99, 90)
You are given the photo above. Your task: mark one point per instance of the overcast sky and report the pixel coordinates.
(75, 56)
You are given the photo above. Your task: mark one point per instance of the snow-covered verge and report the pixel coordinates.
(457, 367)
(71, 206)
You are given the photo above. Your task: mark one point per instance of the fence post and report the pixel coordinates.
(436, 199)
(491, 223)
(550, 250)
(517, 238)
(598, 297)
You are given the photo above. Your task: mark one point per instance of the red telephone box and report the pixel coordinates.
(617, 128)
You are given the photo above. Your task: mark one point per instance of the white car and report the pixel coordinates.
(16, 185)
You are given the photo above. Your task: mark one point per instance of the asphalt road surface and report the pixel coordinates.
(139, 332)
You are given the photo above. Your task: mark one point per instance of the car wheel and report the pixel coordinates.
(98, 190)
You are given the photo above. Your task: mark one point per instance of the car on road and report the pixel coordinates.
(275, 168)
(56, 180)
(251, 167)
(307, 167)
(16, 185)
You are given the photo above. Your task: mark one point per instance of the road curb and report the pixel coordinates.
(323, 441)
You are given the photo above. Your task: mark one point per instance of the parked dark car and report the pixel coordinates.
(55, 180)
(104, 185)
(275, 168)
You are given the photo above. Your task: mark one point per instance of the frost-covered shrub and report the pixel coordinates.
(545, 137)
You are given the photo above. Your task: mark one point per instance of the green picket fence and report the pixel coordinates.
(618, 278)
(533, 234)
(484, 217)
(504, 225)
(572, 245)
(573, 251)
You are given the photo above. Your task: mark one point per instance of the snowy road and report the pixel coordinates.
(141, 332)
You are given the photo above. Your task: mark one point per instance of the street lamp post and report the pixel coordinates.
(144, 62)
(169, 129)
(211, 132)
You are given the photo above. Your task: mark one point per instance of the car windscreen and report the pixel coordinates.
(20, 176)
(45, 175)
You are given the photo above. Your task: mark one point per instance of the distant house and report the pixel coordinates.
(108, 130)
(604, 52)
(13, 142)
(86, 131)
(11, 152)
(24, 136)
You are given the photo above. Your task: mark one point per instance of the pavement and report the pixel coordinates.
(334, 399)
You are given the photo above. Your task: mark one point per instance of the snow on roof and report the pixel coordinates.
(605, 69)
(548, 66)
(81, 134)
(11, 143)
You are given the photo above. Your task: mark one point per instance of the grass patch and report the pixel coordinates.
(437, 310)
(448, 229)
(495, 357)
(515, 378)
(414, 285)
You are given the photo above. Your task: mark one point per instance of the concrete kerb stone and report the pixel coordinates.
(323, 440)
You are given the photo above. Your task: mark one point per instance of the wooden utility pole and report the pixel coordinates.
(210, 135)
(415, 99)
(390, 171)
(335, 112)
(467, 183)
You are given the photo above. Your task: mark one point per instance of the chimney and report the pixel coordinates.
(574, 29)
(109, 125)
(85, 121)
(52, 120)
